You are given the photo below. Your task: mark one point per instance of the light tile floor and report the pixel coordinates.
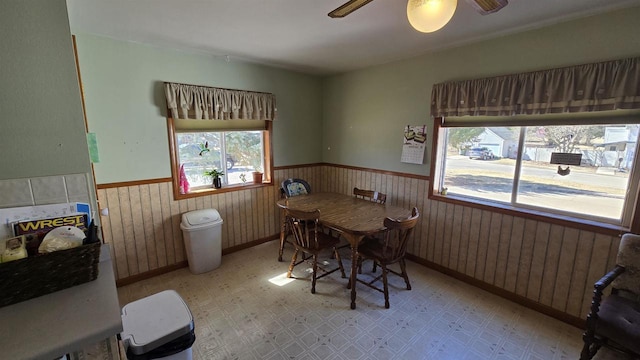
(242, 310)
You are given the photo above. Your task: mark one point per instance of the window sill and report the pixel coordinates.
(563, 220)
(223, 189)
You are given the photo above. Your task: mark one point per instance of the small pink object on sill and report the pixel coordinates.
(184, 183)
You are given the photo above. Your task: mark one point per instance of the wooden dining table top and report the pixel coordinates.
(346, 213)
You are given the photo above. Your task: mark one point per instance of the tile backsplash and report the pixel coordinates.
(44, 190)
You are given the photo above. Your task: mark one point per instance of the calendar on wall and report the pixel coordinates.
(413, 144)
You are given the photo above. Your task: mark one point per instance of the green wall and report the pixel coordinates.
(353, 119)
(365, 111)
(41, 127)
(126, 107)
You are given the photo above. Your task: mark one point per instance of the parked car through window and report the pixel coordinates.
(480, 153)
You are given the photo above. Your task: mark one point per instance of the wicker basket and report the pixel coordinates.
(35, 276)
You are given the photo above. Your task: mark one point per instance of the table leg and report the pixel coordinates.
(283, 231)
(353, 240)
(354, 274)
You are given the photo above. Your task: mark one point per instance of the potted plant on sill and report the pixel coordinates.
(257, 175)
(215, 174)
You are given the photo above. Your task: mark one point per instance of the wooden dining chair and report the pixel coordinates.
(370, 195)
(289, 188)
(389, 250)
(309, 239)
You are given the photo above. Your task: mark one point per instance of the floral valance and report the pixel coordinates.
(201, 102)
(584, 88)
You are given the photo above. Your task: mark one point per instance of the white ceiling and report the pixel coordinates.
(298, 34)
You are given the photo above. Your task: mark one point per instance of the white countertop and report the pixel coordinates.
(68, 320)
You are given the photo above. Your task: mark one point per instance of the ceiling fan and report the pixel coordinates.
(426, 15)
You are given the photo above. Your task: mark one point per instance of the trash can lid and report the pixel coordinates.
(200, 217)
(155, 320)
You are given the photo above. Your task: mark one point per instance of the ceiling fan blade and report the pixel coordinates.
(486, 7)
(348, 7)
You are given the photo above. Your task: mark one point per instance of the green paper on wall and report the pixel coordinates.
(92, 142)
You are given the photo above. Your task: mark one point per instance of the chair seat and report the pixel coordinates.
(374, 249)
(325, 241)
(619, 319)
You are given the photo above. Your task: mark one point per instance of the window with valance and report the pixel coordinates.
(558, 142)
(602, 86)
(219, 129)
(201, 102)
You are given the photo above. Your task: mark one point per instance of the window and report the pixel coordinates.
(235, 147)
(511, 165)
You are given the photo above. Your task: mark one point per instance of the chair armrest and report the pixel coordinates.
(599, 286)
(606, 280)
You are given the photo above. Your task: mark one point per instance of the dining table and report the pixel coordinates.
(354, 218)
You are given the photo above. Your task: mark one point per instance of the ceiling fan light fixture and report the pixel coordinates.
(348, 7)
(486, 7)
(430, 15)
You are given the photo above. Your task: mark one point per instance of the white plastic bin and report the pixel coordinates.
(159, 326)
(202, 232)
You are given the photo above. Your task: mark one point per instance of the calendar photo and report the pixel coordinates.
(413, 144)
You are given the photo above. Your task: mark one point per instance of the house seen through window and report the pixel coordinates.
(512, 165)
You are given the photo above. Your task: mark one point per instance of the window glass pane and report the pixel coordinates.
(480, 162)
(597, 187)
(199, 152)
(243, 152)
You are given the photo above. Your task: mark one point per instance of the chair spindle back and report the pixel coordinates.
(370, 195)
(304, 225)
(397, 234)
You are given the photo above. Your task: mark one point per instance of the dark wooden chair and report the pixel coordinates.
(309, 239)
(614, 321)
(288, 188)
(390, 250)
(370, 195)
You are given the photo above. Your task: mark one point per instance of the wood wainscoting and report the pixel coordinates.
(143, 225)
(549, 267)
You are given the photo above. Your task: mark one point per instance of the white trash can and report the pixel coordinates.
(202, 232)
(159, 326)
